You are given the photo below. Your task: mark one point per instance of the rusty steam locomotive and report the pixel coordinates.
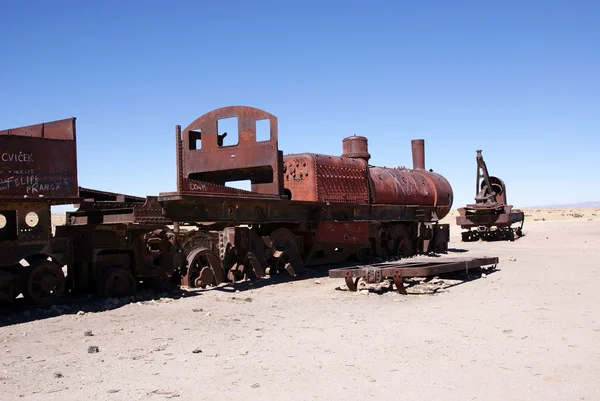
(301, 210)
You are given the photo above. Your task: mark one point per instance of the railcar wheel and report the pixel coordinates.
(198, 260)
(283, 238)
(510, 234)
(116, 282)
(253, 267)
(8, 286)
(44, 283)
(288, 260)
(285, 253)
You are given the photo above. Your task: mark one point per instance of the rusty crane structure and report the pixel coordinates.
(490, 217)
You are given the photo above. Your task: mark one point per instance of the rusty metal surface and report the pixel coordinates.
(203, 157)
(418, 153)
(314, 177)
(378, 272)
(398, 186)
(196, 208)
(343, 233)
(490, 214)
(105, 197)
(402, 186)
(356, 147)
(304, 209)
(44, 282)
(25, 229)
(487, 218)
(39, 160)
(490, 191)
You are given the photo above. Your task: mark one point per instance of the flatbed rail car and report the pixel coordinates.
(302, 209)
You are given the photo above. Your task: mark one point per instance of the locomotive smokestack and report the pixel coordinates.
(418, 154)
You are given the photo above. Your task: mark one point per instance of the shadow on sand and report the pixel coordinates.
(20, 312)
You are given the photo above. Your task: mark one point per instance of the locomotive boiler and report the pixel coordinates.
(349, 178)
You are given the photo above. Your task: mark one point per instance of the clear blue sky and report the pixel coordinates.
(518, 79)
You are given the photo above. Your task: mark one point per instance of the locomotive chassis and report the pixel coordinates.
(204, 233)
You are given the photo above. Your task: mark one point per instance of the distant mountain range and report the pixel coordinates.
(588, 204)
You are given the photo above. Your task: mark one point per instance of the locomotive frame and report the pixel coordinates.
(302, 210)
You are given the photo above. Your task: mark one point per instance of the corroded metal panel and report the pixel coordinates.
(39, 161)
(314, 177)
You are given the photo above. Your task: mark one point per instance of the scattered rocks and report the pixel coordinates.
(317, 281)
(92, 349)
(80, 313)
(58, 375)
(197, 310)
(483, 275)
(255, 385)
(207, 314)
(88, 333)
(113, 391)
(197, 351)
(513, 259)
(160, 348)
(248, 299)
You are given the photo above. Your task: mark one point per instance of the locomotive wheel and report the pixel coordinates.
(363, 255)
(510, 234)
(205, 277)
(116, 282)
(44, 283)
(254, 260)
(404, 245)
(288, 260)
(198, 260)
(282, 238)
(404, 248)
(253, 268)
(285, 253)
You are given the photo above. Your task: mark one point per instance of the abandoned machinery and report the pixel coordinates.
(302, 209)
(490, 218)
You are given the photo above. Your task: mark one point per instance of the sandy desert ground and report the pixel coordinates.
(529, 330)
